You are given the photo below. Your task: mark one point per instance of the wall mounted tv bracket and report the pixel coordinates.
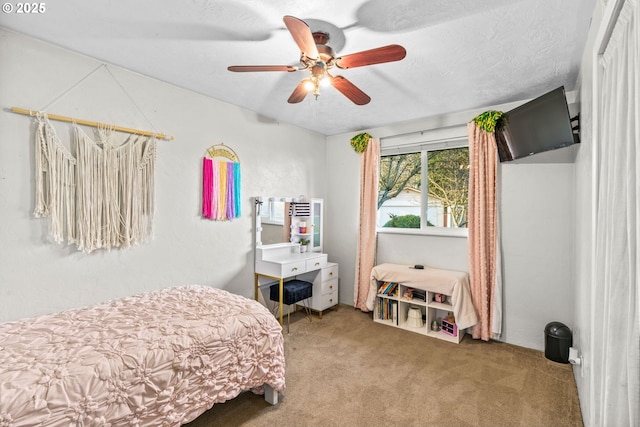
(575, 127)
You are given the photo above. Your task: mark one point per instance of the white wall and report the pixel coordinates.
(39, 277)
(537, 214)
(537, 252)
(433, 251)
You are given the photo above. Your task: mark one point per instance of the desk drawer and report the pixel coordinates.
(329, 272)
(316, 263)
(322, 302)
(326, 287)
(293, 268)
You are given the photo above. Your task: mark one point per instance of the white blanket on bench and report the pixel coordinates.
(448, 282)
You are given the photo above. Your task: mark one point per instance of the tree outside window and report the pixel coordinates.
(445, 175)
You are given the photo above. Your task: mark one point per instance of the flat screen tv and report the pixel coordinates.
(537, 126)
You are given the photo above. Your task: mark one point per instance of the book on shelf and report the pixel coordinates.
(394, 308)
(388, 288)
(393, 289)
(387, 310)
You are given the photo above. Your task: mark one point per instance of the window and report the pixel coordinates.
(424, 188)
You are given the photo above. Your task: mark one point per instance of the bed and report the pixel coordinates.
(160, 358)
(448, 282)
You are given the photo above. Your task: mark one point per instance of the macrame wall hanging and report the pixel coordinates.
(220, 184)
(99, 194)
(100, 197)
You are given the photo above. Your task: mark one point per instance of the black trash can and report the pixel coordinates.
(558, 339)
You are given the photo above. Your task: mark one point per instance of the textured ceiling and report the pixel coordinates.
(461, 54)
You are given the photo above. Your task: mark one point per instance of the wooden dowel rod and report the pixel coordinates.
(92, 124)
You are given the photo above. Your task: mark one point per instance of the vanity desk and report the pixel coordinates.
(280, 261)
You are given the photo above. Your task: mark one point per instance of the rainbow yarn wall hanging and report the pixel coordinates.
(220, 184)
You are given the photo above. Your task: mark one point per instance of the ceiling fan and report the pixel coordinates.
(318, 58)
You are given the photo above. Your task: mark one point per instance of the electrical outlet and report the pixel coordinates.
(574, 356)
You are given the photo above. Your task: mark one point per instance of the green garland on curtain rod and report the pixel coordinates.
(490, 121)
(360, 141)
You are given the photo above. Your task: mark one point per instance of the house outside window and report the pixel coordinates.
(424, 187)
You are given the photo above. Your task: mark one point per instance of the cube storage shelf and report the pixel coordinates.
(393, 310)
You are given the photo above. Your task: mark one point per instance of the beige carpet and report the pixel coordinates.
(346, 370)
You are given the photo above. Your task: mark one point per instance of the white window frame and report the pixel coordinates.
(423, 142)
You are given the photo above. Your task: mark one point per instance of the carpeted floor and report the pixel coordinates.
(346, 370)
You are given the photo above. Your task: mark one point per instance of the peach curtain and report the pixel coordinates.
(369, 170)
(484, 253)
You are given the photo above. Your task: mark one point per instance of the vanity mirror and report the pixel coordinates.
(272, 214)
(289, 219)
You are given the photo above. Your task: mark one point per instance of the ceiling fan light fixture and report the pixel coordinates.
(309, 85)
(313, 85)
(318, 69)
(317, 57)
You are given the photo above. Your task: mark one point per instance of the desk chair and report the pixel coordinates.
(294, 292)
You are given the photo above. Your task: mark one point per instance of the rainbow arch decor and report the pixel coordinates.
(220, 184)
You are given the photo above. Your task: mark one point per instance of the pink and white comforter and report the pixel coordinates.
(157, 359)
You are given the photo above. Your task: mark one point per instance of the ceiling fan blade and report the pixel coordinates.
(302, 36)
(350, 90)
(250, 68)
(298, 93)
(379, 55)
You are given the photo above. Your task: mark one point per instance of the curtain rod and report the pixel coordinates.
(92, 124)
(425, 131)
(438, 141)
